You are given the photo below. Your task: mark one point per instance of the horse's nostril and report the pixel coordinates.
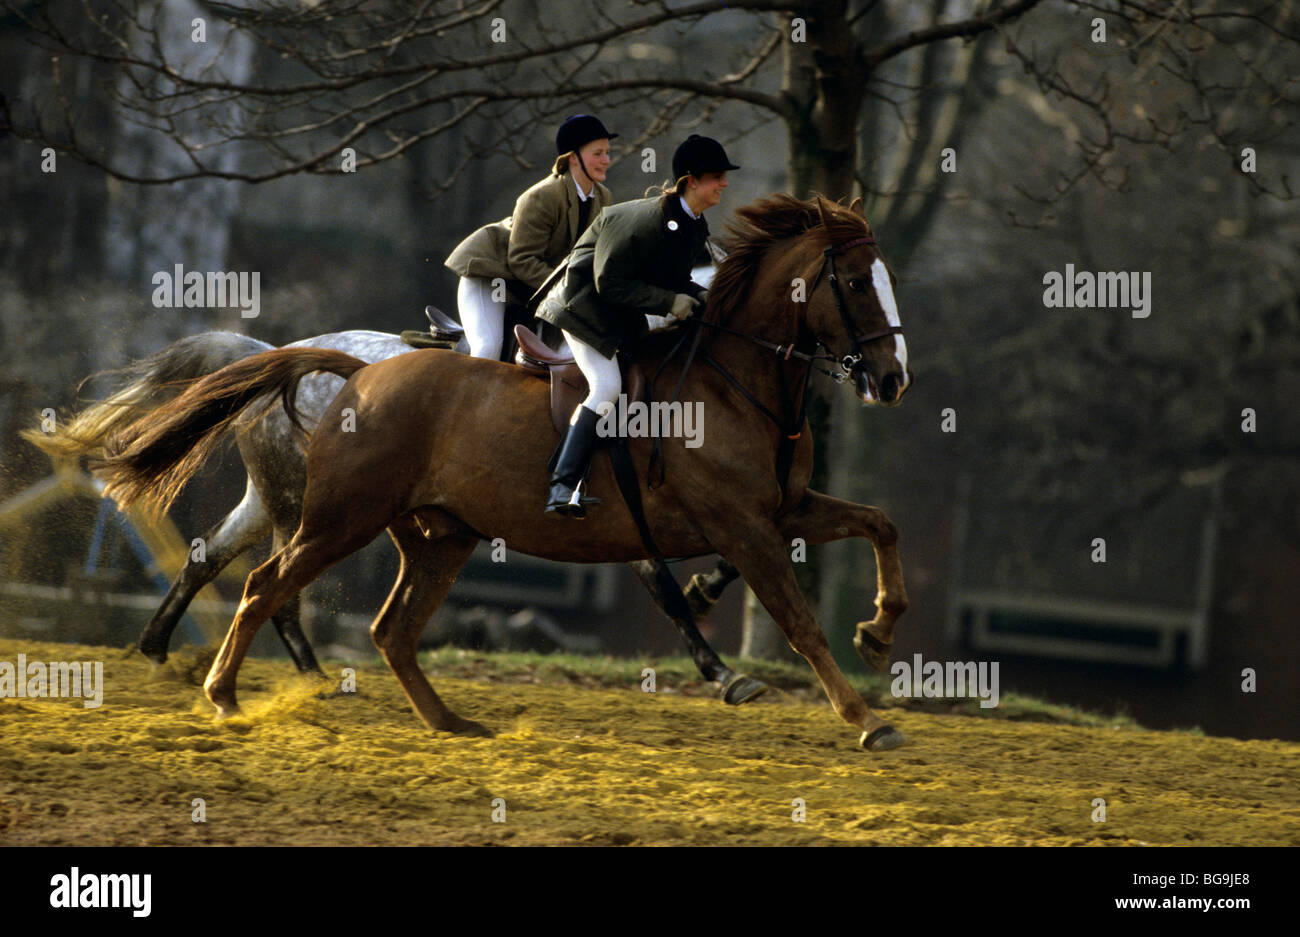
(890, 385)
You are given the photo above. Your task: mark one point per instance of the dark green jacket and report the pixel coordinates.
(629, 264)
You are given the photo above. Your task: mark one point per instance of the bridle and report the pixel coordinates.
(791, 431)
(849, 361)
(846, 362)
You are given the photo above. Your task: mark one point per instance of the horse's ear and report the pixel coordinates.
(822, 213)
(855, 206)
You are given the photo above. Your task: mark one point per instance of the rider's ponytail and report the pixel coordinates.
(668, 188)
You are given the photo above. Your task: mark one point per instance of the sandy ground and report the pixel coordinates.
(575, 765)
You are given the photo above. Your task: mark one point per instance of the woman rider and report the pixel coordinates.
(635, 261)
(524, 248)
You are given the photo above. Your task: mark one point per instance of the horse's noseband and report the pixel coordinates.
(850, 361)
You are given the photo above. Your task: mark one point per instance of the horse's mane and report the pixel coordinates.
(764, 223)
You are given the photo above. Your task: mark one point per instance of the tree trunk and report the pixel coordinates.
(823, 79)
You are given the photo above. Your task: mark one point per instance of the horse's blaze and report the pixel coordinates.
(885, 294)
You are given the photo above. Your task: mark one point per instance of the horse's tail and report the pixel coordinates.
(154, 458)
(151, 382)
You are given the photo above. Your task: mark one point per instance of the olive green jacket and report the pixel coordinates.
(529, 244)
(629, 264)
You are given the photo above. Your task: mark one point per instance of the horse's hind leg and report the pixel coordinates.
(288, 625)
(758, 550)
(268, 587)
(427, 572)
(737, 688)
(287, 620)
(278, 468)
(704, 589)
(820, 518)
(239, 530)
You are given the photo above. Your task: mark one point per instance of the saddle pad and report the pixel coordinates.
(417, 339)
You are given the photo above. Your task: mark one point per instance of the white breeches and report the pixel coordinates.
(603, 380)
(482, 317)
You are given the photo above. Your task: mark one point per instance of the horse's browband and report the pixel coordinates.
(849, 245)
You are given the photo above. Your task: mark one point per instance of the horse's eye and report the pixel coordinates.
(858, 285)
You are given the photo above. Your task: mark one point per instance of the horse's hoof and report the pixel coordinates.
(166, 673)
(330, 687)
(224, 705)
(157, 655)
(335, 694)
(472, 729)
(742, 689)
(320, 679)
(882, 739)
(873, 651)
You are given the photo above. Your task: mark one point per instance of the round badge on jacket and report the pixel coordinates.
(672, 225)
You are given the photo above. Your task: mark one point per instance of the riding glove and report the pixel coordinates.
(683, 306)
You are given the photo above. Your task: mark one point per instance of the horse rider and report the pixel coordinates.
(634, 262)
(548, 219)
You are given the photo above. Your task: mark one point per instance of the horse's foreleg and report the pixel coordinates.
(737, 688)
(759, 551)
(239, 530)
(819, 518)
(427, 573)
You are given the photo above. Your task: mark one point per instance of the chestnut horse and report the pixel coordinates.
(277, 476)
(443, 450)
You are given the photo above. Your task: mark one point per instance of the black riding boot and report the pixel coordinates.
(571, 465)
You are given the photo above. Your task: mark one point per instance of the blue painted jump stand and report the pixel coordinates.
(110, 515)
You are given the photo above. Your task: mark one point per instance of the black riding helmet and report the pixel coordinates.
(698, 155)
(576, 132)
